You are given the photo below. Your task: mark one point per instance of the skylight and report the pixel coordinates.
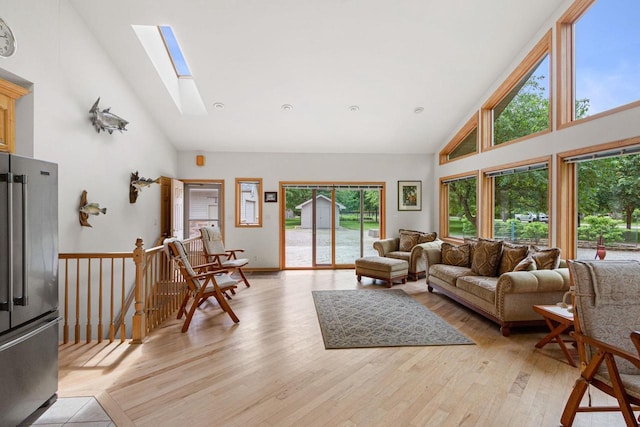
(171, 68)
(175, 53)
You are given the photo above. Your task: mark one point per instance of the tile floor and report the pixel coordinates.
(72, 412)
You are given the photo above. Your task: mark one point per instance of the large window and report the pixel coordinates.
(463, 144)
(461, 198)
(520, 107)
(525, 109)
(607, 216)
(521, 203)
(607, 57)
(599, 71)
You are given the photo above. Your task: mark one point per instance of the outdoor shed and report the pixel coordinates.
(323, 215)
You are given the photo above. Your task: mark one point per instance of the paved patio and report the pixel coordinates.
(298, 247)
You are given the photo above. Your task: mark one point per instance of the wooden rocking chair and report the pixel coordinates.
(204, 284)
(215, 252)
(607, 320)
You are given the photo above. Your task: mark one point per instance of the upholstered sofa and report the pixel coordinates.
(503, 289)
(409, 246)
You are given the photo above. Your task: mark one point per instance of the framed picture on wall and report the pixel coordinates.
(270, 196)
(409, 195)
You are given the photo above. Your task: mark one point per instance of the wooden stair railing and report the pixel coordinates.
(99, 285)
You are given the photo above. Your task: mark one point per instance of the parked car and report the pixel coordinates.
(526, 217)
(530, 217)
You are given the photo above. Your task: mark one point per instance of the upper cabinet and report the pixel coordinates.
(9, 92)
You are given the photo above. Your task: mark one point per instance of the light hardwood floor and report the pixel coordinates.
(272, 369)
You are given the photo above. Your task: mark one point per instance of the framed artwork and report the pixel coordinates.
(409, 195)
(270, 196)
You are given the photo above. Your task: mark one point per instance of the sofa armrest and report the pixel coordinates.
(385, 246)
(433, 256)
(534, 281)
(419, 250)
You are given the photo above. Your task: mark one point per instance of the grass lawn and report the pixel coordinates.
(349, 222)
(455, 226)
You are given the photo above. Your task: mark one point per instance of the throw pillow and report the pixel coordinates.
(472, 244)
(546, 259)
(527, 264)
(408, 240)
(455, 255)
(427, 237)
(511, 256)
(486, 257)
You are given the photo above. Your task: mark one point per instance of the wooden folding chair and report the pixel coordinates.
(607, 321)
(215, 252)
(206, 283)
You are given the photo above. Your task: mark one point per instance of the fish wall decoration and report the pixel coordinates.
(137, 184)
(87, 209)
(105, 120)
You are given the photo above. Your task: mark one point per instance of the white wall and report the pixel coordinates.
(67, 70)
(262, 244)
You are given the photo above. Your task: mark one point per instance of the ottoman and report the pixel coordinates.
(388, 269)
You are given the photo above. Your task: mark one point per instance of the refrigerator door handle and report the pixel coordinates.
(7, 305)
(29, 334)
(24, 299)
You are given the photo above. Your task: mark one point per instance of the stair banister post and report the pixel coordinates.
(138, 328)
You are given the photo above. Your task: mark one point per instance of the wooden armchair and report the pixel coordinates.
(215, 252)
(203, 285)
(607, 321)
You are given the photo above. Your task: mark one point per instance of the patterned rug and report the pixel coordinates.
(380, 318)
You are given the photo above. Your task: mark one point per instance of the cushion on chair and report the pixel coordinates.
(608, 303)
(399, 255)
(183, 257)
(408, 239)
(427, 237)
(212, 240)
(223, 280)
(235, 263)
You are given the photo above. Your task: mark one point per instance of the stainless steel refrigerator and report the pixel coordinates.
(28, 286)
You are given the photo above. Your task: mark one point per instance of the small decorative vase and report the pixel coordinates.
(601, 252)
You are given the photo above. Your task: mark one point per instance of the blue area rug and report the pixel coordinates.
(380, 318)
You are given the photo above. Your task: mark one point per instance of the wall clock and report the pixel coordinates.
(7, 40)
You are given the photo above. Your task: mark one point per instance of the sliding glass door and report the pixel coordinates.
(329, 225)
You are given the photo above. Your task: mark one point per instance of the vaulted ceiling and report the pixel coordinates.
(322, 57)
